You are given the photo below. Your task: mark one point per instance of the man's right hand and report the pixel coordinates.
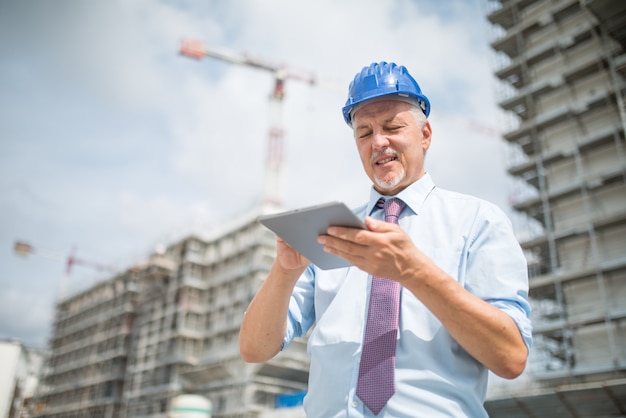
(288, 258)
(264, 324)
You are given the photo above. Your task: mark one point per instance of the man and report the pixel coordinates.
(463, 306)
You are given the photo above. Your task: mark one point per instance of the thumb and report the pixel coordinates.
(376, 225)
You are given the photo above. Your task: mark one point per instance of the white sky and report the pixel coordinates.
(112, 143)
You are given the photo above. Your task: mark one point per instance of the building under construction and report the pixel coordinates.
(127, 346)
(562, 64)
(85, 371)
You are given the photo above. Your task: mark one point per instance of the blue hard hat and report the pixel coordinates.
(382, 79)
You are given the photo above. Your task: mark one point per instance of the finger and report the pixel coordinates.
(376, 225)
(338, 245)
(348, 234)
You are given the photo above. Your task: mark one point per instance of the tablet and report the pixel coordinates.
(301, 227)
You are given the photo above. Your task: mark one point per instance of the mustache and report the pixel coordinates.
(387, 151)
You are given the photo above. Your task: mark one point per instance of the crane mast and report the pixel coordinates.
(274, 176)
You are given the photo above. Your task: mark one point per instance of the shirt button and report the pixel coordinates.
(355, 404)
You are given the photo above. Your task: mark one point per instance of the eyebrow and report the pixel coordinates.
(388, 120)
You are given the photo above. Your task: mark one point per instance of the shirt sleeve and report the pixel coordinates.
(497, 270)
(301, 314)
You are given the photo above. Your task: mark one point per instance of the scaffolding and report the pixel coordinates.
(85, 372)
(562, 68)
(169, 326)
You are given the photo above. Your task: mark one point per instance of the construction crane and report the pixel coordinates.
(24, 249)
(274, 181)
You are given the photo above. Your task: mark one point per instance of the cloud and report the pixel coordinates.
(112, 142)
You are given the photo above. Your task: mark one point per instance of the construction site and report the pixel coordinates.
(127, 346)
(169, 326)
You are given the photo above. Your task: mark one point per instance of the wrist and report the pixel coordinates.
(289, 275)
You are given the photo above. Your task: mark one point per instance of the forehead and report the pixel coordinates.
(385, 109)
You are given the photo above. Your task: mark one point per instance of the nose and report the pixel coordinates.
(379, 140)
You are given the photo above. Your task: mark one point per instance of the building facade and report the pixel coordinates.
(562, 67)
(21, 367)
(86, 367)
(166, 327)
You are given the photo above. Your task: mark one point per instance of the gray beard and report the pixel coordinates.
(388, 185)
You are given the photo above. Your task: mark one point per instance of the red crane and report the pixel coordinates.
(275, 147)
(23, 249)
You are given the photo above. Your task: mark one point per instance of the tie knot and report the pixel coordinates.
(393, 207)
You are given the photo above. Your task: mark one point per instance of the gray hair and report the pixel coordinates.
(416, 109)
(418, 115)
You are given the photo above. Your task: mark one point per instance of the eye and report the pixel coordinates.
(364, 134)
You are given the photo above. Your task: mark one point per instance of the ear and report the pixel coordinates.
(426, 136)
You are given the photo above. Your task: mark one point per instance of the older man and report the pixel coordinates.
(437, 292)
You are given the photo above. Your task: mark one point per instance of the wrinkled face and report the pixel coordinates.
(391, 144)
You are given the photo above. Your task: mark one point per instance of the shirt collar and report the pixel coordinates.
(414, 195)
